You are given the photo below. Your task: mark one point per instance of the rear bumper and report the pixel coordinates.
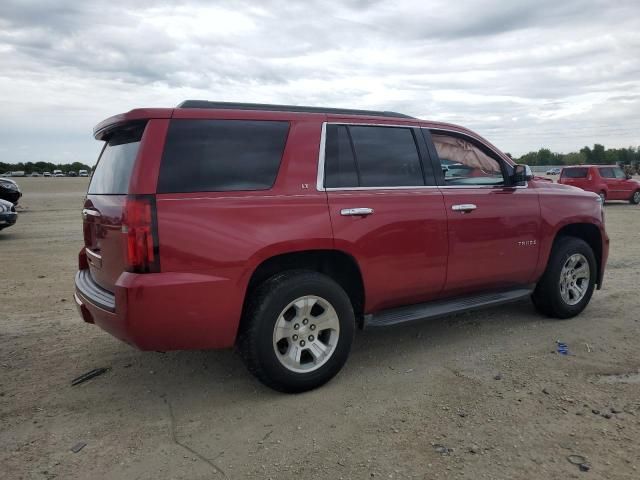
(163, 311)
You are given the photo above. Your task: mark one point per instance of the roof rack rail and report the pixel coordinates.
(286, 108)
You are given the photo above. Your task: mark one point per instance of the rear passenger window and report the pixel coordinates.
(607, 173)
(221, 155)
(371, 156)
(574, 173)
(340, 165)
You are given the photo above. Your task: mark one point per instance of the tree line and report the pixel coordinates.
(40, 167)
(598, 155)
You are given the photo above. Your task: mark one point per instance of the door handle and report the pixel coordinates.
(464, 207)
(88, 212)
(356, 212)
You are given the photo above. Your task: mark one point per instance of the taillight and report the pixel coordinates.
(140, 230)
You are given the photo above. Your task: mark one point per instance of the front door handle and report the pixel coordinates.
(464, 207)
(363, 212)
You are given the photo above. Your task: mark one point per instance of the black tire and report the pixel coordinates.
(547, 297)
(267, 302)
(635, 198)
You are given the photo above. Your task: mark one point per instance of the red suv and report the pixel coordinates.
(281, 229)
(608, 181)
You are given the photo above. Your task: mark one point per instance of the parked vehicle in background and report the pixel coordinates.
(72, 173)
(8, 214)
(553, 171)
(35, 174)
(83, 173)
(46, 174)
(58, 173)
(9, 190)
(18, 173)
(608, 181)
(281, 229)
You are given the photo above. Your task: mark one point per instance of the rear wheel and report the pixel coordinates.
(635, 198)
(569, 280)
(298, 330)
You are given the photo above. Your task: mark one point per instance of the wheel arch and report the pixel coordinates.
(588, 232)
(338, 265)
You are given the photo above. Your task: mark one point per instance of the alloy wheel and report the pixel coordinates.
(574, 279)
(306, 334)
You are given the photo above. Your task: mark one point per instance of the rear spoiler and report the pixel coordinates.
(102, 130)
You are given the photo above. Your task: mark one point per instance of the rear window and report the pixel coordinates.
(221, 155)
(113, 171)
(574, 173)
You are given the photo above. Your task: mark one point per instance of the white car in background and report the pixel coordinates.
(83, 173)
(58, 173)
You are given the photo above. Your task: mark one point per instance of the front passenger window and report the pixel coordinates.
(463, 163)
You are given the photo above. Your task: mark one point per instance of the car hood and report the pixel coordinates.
(555, 186)
(8, 180)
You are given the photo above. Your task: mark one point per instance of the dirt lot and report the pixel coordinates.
(478, 395)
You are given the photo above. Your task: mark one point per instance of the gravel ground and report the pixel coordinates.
(480, 395)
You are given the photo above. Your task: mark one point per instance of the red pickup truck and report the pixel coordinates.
(280, 230)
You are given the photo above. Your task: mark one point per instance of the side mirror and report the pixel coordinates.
(521, 175)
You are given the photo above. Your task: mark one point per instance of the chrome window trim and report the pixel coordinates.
(321, 158)
(419, 187)
(321, 161)
(321, 154)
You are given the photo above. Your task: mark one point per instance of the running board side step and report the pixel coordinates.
(439, 308)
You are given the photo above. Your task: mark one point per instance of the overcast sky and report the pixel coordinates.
(525, 74)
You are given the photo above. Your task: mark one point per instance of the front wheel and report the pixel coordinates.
(569, 280)
(297, 331)
(635, 198)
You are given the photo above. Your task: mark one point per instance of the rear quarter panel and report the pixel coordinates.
(226, 235)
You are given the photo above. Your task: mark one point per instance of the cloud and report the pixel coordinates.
(524, 74)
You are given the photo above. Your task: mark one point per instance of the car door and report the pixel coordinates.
(493, 228)
(386, 210)
(608, 176)
(624, 186)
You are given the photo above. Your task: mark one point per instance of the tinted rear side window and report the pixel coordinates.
(607, 173)
(371, 156)
(113, 171)
(574, 173)
(340, 165)
(386, 156)
(221, 155)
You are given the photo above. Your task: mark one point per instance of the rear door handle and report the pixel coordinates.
(356, 212)
(464, 207)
